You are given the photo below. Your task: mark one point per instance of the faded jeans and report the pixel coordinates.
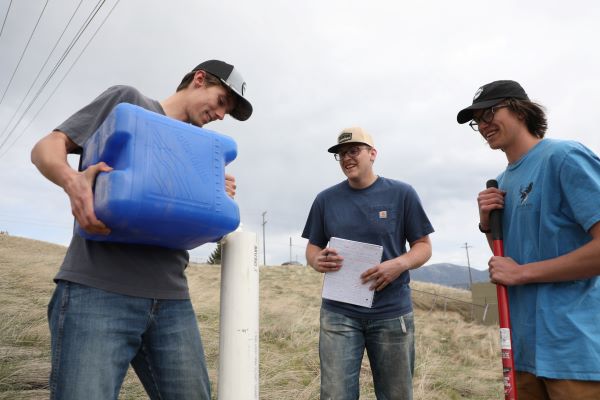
(390, 347)
(95, 335)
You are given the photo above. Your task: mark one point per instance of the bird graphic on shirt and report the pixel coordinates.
(525, 192)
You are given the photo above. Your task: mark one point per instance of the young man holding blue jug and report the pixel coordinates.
(117, 304)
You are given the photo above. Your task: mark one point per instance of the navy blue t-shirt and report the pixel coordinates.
(387, 213)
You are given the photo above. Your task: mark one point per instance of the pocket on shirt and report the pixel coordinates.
(383, 217)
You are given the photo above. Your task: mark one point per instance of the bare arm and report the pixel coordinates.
(383, 274)
(581, 263)
(49, 155)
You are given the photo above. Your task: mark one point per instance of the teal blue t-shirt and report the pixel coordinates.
(552, 200)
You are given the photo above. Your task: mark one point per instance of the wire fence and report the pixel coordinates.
(480, 313)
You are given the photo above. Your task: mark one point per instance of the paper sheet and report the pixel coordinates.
(345, 285)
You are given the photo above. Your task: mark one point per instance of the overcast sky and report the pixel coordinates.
(401, 70)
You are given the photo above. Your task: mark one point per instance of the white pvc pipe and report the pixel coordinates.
(238, 341)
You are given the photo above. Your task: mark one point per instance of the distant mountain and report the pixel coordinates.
(448, 275)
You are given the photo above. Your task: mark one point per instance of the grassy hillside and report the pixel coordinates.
(456, 359)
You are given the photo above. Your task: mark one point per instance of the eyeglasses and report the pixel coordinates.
(486, 116)
(353, 152)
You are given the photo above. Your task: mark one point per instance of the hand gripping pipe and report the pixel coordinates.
(508, 362)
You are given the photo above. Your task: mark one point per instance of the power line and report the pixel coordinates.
(5, 18)
(57, 86)
(41, 69)
(23, 53)
(58, 64)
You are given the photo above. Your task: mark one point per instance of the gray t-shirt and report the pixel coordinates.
(129, 269)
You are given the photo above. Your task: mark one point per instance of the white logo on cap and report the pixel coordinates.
(478, 93)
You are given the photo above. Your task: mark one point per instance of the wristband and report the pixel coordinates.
(488, 230)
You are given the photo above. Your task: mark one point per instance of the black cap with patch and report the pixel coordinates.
(491, 94)
(231, 78)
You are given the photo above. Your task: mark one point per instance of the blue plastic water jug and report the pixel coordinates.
(167, 187)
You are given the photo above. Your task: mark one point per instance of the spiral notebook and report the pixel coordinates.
(344, 285)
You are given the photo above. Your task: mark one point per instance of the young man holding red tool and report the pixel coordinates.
(549, 196)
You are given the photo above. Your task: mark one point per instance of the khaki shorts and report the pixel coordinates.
(530, 387)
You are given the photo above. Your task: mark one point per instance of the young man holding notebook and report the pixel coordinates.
(370, 209)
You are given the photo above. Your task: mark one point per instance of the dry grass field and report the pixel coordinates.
(456, 359)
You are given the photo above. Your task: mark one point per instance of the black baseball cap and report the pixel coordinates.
(231, 78)
(489, 95)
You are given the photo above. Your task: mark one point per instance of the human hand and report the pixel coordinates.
(382, 275)
(488, 200)
(505, 271)
(327, 260)
(79, 190)
(230, 185)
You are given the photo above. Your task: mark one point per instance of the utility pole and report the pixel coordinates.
(290, 249)
(466, 247)
(264, 222)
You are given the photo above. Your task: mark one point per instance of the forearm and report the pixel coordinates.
(383, 274)
(418, 254)
(49, 155)
(582, 263)
(312, 251)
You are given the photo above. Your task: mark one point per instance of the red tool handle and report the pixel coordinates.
(508, 361)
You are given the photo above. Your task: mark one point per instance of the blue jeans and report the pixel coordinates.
(390, 347)
(95, 335)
